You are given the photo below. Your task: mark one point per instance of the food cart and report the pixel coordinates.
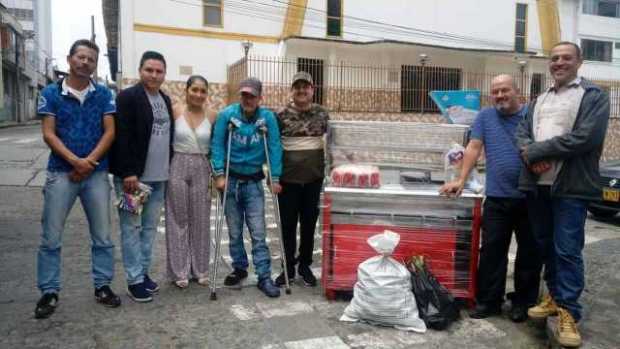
(409, 157)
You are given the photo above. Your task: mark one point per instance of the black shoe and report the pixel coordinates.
(234, 278)
(150, 285)
(139, 293)
(306, 275)
(268, 288)
(518, 312)
(46, 305)
(281, 281)
(105, 296)
(483, 311)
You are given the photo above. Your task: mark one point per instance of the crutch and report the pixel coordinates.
(263, 129)
(220, 208)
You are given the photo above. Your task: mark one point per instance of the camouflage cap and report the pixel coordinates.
(302, 76)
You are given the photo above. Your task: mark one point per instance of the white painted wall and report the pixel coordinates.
(569, 11)
(489, 23)
(206, 57)
(599, 26)
(261, 17)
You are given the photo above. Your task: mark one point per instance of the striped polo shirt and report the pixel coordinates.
(503, 163)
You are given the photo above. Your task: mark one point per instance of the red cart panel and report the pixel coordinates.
(452, 253)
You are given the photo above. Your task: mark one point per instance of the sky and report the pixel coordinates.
(70, 22)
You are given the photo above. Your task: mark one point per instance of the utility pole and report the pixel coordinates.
(246, 45)
(522, 64)
(93, 37)
(18, 91)
(48, 63)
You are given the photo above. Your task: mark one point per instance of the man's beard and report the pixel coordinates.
(502, 107)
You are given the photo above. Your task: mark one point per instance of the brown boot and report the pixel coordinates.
(546, 307)
(568, 335)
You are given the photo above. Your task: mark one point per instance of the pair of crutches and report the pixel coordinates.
(220, 206)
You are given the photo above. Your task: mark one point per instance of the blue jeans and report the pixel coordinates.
(138, 232)
(245, 201)
(59, 194)
(558, 225)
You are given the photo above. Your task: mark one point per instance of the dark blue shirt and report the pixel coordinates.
(503, 163)
(78, 125)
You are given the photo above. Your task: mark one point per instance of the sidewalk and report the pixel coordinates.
(245, 318)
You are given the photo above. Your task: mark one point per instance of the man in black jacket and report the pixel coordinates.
(561, 141)
(141, 154)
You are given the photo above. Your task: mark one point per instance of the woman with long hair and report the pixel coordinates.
(188, 201)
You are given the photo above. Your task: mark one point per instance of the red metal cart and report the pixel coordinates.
(445, 231)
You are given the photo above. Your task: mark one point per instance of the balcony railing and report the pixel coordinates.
(345, 87)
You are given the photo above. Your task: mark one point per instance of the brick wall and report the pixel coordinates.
(277, 95)
(217, 99)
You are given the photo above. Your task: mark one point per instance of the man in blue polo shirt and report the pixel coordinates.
(78, 126)
(505, 208)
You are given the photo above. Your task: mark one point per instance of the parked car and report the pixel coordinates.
(610, 201)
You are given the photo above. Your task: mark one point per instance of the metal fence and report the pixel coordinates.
(346, 87)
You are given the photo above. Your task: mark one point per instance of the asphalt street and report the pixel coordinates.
(239, 318)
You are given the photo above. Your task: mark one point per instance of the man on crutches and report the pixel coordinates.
(238, 141)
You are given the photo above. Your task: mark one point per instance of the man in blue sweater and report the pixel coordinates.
(505, 207)
(245, 199)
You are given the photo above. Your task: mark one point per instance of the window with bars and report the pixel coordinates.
(417, 81)
(606, 8)
(537, 85)
(212, 12)
(334, 17)
(521, 28)
(594, 50)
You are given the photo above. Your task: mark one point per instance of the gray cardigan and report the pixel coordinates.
(579, 149)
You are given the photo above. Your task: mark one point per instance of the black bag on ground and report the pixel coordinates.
(436, 305)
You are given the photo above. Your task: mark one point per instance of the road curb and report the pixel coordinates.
(9, 124)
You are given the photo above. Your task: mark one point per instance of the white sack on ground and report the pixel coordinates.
(382, 294)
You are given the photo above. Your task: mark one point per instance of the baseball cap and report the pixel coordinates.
(302, 76)
(252, 86)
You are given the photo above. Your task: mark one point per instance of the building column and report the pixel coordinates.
(549, 20)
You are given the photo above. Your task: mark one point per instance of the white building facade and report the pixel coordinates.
(483, 30)
(393, 47)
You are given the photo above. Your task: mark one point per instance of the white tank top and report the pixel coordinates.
(191, 141)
